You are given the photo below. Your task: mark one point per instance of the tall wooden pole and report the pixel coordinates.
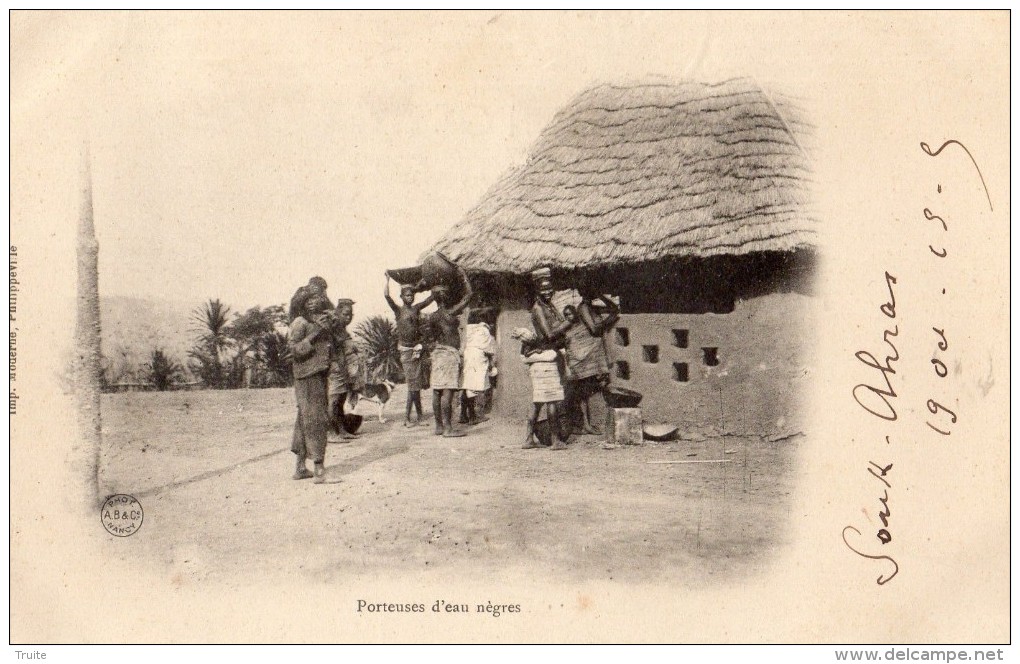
(87, 346)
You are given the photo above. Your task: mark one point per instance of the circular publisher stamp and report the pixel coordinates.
(122, 515)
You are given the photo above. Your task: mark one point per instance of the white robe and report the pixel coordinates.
(479, 346)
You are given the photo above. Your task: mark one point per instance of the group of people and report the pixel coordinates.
(565, 348)
(564, 352)
(328, 372)
(454, 367)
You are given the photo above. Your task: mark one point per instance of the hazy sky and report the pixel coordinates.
(235, 155)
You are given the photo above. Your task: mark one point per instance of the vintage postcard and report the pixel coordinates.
(503, 327)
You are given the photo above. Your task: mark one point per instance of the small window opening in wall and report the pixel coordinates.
(680, 372)
(711, 356)
(680, 338)
(622, 336)
(622, 370)
(650, 354)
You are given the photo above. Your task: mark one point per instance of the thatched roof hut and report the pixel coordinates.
(627, 175)
(689, 202)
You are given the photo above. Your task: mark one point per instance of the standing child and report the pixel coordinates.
(409, 344)
(346, 371)
(316, 286)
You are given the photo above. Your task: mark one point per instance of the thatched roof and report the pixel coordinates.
(634, 174)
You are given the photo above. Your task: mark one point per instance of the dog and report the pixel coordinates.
(378, 393)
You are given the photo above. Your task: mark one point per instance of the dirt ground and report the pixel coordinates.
(213, 473)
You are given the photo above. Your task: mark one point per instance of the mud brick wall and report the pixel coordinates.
(740, 372)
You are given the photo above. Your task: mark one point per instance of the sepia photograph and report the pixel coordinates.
(509, 327)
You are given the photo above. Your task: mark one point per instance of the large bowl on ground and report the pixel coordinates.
(621, 397)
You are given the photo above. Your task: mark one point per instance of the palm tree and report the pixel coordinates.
(213, 341)
(377, 336)
(276, 359)
(211, 321)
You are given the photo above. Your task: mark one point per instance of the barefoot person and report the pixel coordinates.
(479, 347)
(311, 348)
(546, 383)
(550, 329)
(586, 355)
(409, 344)
(575, 406)
(444, 326)
(346, 376)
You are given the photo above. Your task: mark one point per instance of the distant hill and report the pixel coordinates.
(134, 327)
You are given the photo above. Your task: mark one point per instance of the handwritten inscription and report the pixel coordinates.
(878, 400)
(953, 142)
(884, 534)
(878, 396)
(944, 417)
